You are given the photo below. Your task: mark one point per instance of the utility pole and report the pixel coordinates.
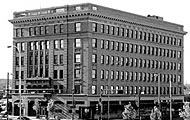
(7, 94)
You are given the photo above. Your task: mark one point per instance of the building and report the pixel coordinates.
(92, 51)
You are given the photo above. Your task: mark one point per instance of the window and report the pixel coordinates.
(61, 59)
(107, 74)
(102, 59)
(127, 32)
(94, 59)
(117, 46)
(107, 59)
(17, 61)
(102, 28)
(77, 43)
(55, 74)
(78, 73)
(179, 66)
(117, 75)
(127, 75)
(77, 27)
(46, 29)
(122, 61)
(55, 44)
(122, 75)
(77, 58)
(122, 46)
(56, 29)
(112, 89)
(102, 44)
(112, 75)
(94, 8)
(107, 44)
(94, 43)
(117, 60)
(94, 75)
(22, 60)
(55, 59)
(107, 29)
(41, 30)
(61, 74)
(112, 45)
(102, 74)
(78, 8)
(94, 27)
(31, 45)
(117, 31)
(22, 46)
(112, 30)
(93, 89)
(179, 54)
(112, 60)
(47, 44)
(61, 44)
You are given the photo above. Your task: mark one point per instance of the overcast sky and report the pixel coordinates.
(175, 11)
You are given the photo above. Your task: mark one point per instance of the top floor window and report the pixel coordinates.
(94, 27)
(77, 27)
(94, 8)
(78, 8)
(102, 28)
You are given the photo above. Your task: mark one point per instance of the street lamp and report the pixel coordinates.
(19, 78)
(159, 105)
(170, 99)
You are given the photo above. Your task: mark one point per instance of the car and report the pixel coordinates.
(23, 118)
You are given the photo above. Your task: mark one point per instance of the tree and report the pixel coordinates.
(185, 113)
(155, 114)
(129, 113)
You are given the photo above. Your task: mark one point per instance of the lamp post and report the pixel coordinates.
(159, 105)
(7, 94)
(19, 78)
(170, 99)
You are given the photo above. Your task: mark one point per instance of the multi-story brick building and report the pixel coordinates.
(90, 47)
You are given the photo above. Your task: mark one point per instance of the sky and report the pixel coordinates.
(175, 11)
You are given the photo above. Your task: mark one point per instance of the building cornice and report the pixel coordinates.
(45, 18)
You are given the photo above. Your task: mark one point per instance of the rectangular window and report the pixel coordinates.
(107, 29)
(93, 89)
(42, 30)
(62, 44)
(61, 28)
(107, 74)
(46, 29)
(31, 31)
(112, 75)
(77, 27)
(112, 30)
(102, 74)
(17, 60)
(102, 28)
(55, 74)
(78, 73)
(102, 59)
(112, 45)
(94, 43)
(56, 29)
(55, 59)
(94, 74)
(102, 44)
(117, 46)
(107, 44)
(94, 58)
(22, 60)
(112, 60)
(77, 58)
(117, 75)
(55, 44)
(61, 74)
(77, 43)
(61, 59)
(94, 27)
